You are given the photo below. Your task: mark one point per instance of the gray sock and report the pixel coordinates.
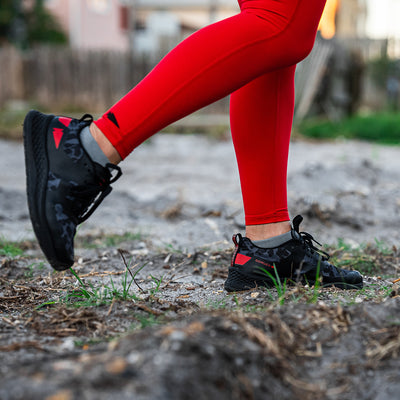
(274, 241)
(92, 148)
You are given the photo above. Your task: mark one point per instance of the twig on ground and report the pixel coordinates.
(130, 272)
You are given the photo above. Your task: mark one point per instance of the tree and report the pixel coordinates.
(25, 24)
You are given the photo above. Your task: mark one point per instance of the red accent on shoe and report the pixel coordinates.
(241, 259)
(264, 263)
(65, 121)
(57, 134)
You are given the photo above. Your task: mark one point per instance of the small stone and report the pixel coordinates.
(116, 366)
(61, 395)
(358, 300)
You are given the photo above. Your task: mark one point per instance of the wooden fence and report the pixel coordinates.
(11, 75)
(59, 78)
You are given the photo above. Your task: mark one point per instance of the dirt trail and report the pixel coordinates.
(172, 332)
(184, 190)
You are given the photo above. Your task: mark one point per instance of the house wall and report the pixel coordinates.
(94, 24)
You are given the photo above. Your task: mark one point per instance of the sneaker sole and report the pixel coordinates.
(37, 170)
(237, 282)
(339, 285)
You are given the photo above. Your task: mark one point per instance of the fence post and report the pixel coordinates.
(11, 75)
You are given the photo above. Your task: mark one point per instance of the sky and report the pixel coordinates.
(383, 18)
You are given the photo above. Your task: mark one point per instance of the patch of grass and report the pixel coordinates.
(382, 247)
(315, 288)
(113, 240)
(281, 287)
(147, 320)
(374, 292)
(156, 285)
(343, 246)
(381, 128)
(393, 320)
(9, 249)
(217, 304)
(363, 258)
(32, 267)
(88, 295)
(289, 291)
(91, 341)
(171, 249)
(11, 122)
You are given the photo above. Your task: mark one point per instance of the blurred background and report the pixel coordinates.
(73, 56)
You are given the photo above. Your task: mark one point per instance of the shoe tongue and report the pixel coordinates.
(295, 235)
(296, 223)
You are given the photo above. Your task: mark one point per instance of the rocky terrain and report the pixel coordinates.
(144, 315)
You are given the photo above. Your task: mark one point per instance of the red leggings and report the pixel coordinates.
(251, 55)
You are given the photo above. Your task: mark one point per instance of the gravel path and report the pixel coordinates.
(175, 333)
(184, 190)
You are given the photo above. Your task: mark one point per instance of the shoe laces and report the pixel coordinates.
(91, 195)
(86, 118)
(307, 239)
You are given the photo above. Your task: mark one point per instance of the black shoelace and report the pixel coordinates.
(90, 196)
(308, 241)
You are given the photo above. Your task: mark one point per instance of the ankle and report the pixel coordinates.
(105, 145)
(266, 231)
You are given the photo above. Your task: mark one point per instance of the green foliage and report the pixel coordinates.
(281, 287)
(89, 295)
(11, 122)
(9, 249)
(147, 320)
(42, 26)
(25, 25)
(111, 240)
(156, 285)
(383, 67)
(217, 304)
(8, 17)
(363, 258)
(32, 267)
(380, 128)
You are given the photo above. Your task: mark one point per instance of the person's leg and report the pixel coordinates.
(65, 174)
(66, 182)
(261, 123)
(209, 65)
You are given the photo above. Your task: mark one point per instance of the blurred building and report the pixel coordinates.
(351, 19)
(344, 19)
(148, 26)
(154, 26)
(94, 24)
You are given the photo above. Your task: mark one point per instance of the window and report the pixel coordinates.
(98, 6)
(124, 18)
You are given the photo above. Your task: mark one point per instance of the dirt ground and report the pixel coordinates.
(148, 317)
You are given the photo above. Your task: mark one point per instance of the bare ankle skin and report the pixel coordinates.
(266, 231)
(105, 145)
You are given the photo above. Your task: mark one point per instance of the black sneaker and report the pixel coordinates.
(64, 186)
(297, 260)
